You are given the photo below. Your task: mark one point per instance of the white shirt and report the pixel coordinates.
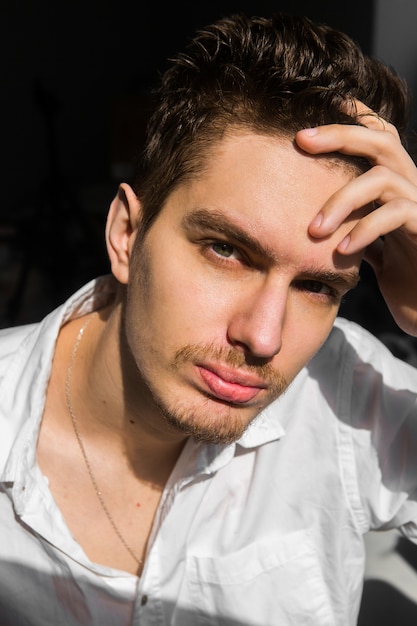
(265, 532)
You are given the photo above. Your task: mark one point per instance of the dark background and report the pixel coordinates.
(74, 82)
(97, 59)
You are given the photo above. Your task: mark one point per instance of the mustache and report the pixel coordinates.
(274, 379)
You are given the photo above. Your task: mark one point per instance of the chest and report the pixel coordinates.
(108, 509)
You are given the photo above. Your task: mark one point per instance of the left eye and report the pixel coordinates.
(224, 249)
(315, 286)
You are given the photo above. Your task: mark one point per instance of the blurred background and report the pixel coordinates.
(74, 83)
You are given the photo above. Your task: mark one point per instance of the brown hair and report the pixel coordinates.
(273, 76)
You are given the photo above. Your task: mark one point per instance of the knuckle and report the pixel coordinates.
(380, 172)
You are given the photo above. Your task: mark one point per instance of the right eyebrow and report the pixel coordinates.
(203, 219)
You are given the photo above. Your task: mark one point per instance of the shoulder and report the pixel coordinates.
(12, 340)
(30, 347)
(355, 349)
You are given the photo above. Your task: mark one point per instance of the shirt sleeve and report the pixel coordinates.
(378, 411)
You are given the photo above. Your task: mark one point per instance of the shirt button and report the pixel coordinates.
(144, 599)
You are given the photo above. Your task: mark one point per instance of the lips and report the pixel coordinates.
(229, 385)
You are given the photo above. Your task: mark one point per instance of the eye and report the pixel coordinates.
(225, 250)
(317, 287)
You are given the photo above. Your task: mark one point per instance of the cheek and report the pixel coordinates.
(305, 333)
(197, 313)
(173, 302)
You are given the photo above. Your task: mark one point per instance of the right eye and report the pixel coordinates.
(225, 250)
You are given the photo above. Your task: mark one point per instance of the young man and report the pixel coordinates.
(197, 439)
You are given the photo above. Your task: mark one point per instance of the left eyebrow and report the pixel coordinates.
(342, 281)
(204, 219)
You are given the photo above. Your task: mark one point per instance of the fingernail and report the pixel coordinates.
(344, 243)
(310, 132)
(317, 220)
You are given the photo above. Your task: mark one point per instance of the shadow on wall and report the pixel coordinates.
(384, 605)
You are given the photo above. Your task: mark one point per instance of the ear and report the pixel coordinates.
(121, 229)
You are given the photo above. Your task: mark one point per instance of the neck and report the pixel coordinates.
(110, 409)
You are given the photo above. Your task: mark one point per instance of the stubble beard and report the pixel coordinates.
(203, 422)
(203, 428)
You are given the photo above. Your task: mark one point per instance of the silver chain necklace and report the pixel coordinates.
(81, 444)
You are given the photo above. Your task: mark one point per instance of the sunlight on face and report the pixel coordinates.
(228, 296)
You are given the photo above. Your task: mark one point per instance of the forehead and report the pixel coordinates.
(260, 177)
(275, 159)
(267, 187)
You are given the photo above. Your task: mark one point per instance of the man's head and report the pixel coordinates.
(271, 76)
(227, 295)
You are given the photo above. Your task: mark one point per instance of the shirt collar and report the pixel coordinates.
(23, 403)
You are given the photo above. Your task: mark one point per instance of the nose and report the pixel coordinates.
(258, 319)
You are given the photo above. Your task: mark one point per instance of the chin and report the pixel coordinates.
(209, 427)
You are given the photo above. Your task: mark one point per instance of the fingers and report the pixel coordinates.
(376, 187)
(379, 147)
(366, 117)
(378, 208)
(395, 215)
(377, 202)
(374, 139)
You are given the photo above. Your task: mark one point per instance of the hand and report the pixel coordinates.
(387, 229)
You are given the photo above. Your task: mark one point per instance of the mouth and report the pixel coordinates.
(229, 385)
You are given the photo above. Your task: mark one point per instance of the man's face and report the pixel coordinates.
(229, 297)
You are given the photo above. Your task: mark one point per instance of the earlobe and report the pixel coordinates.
(121, 229)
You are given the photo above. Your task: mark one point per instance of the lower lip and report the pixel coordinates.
(227, 391)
